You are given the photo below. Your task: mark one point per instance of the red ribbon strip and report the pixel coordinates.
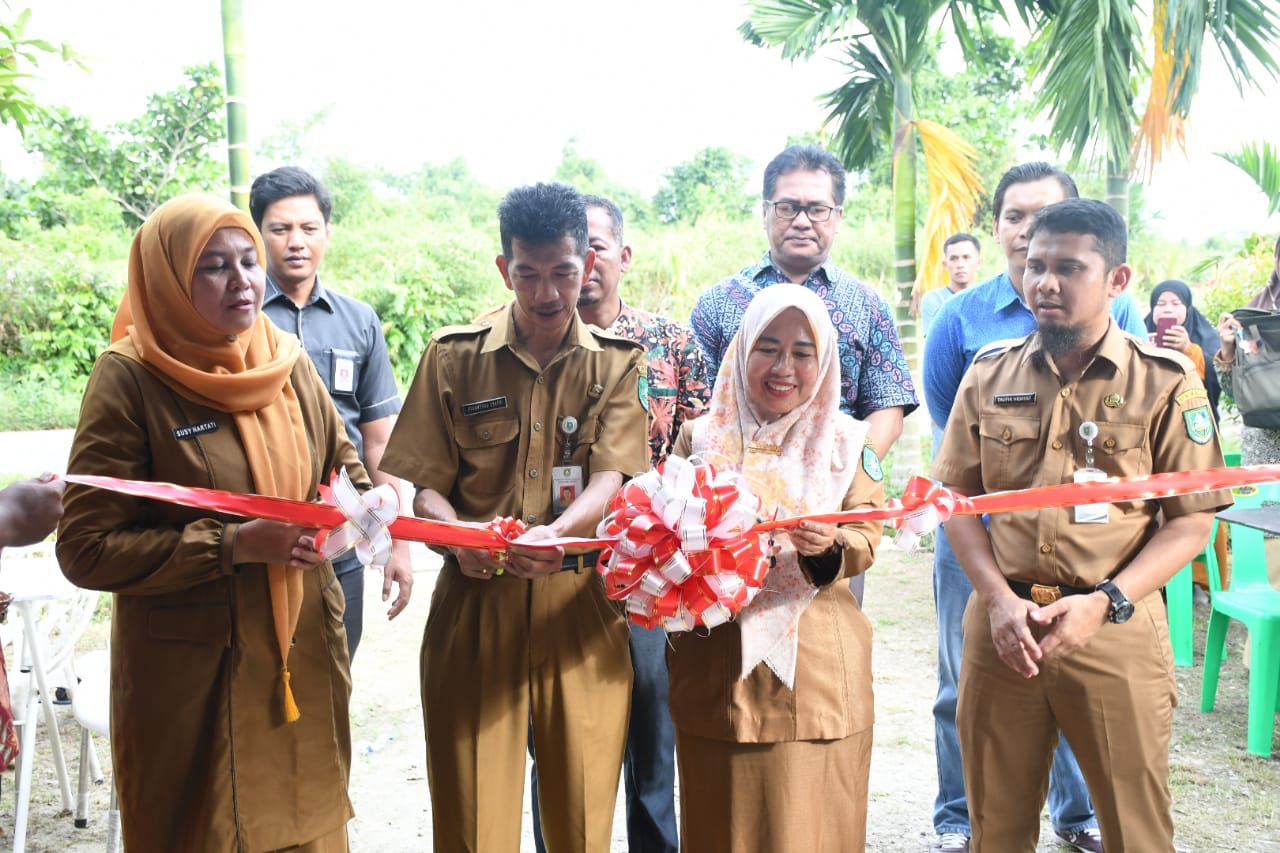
(678, 573)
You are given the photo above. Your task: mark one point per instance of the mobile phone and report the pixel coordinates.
(1163, 325)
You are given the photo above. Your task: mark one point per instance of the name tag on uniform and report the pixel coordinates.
(1025, 398)
(566, 485)
(182, 433)
(479, 407)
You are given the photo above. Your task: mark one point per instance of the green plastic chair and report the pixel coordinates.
(1179, 593)
(1254, 602)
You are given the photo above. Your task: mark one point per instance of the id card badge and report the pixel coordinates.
(343, 380)
(1092, 513)
(566, 485)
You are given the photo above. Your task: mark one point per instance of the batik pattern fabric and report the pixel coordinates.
(873, 369)
(679, 385)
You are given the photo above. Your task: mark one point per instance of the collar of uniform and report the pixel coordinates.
(767, 265)
(318, 295)
(1113, 347)
(502, 333)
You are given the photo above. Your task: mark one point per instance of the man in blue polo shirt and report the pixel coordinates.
(343, 337)
(979, 315)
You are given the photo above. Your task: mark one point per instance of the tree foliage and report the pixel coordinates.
(712, 183)
(19, 57)
(143, 162)
(1260, 162)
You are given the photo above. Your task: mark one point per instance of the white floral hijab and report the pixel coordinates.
(800, 464)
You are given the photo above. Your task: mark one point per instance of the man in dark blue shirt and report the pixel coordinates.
(343, 337)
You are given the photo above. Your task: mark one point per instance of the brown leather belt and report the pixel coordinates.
(1043, 594)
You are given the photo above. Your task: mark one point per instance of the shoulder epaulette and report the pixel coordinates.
(997, 347)
(465, 330)
(1150, 350)
(612, 337)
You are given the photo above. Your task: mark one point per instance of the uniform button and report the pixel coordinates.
(1057, 445)
(485, 434)
(1046, 548)
(530, 518)
(533, 472)
(542, 380)
(1109, 443)
(537, 426)
(1006, 435)
(1065, 392)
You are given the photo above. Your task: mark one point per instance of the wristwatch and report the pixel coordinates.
(1121, 607)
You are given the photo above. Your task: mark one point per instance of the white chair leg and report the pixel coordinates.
(23, 776)
(113, 822)
(82, 793)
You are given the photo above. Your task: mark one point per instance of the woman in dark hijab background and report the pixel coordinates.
(1173, 298)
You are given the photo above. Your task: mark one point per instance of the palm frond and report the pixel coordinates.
(800, 27)
(1087, 57)
(1246, 32)
(862, 107)
(954, 192)
(1162, 124)
(1259, 161)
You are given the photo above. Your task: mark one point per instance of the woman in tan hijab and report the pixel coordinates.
(230, 682)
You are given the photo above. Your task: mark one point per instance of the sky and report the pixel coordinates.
(640, 85)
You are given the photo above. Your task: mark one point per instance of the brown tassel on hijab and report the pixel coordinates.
(245, 375)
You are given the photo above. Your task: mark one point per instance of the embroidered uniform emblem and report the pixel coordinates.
(1199, 424)
(871, 463)
(644, 389)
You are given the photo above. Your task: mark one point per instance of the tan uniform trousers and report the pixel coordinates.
(1113, 700)
(496, 656)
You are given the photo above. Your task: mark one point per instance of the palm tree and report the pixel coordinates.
(1089, 54)
(884, 44)
(237, 109)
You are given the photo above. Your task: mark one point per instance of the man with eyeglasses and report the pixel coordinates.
(803, 194)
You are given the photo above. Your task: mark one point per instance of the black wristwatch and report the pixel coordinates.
(1121, 607)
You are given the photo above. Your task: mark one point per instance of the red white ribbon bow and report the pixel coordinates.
(684, 553)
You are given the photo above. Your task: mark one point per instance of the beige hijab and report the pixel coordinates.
(800, 464)
(245, 375)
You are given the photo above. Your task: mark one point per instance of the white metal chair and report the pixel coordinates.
(47, 617)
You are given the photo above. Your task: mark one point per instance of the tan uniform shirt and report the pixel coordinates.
(483, 424)
(202, 755)
(832, 696)
(1016, 425)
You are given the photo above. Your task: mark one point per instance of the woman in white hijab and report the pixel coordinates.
(773, 713)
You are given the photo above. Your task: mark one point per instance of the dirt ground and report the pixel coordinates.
(1224, 798)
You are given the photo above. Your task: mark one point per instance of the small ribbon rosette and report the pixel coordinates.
(924, 505)
(684, 553)
(367, 528)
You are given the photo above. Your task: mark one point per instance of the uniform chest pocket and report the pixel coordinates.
(340, 370)
(488, 455)
(1120, 447)
(1011, 452)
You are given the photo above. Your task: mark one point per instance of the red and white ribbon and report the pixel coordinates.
(683, 551)
(368, 521)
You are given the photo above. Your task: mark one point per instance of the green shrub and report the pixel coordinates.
(32, 403)
(60, 311)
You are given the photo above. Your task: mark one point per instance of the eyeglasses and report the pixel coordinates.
(790, 210)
